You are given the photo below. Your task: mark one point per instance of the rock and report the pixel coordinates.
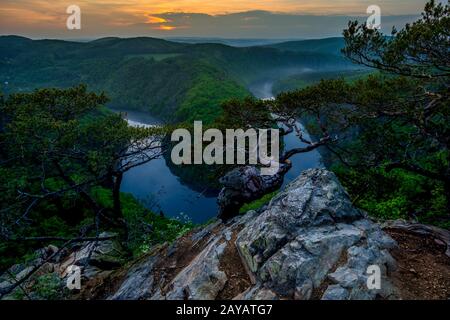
(335, 292)
(104, 255)
(45, 253)
(19, 271)
(243, 185)
(308, 236)
(304, 232)
(139, 281)
(344, 276)
(202, 279)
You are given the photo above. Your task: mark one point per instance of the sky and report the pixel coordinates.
(263, 19)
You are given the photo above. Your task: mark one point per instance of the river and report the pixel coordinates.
(161, 190)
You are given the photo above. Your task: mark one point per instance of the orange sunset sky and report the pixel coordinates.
(46, 18)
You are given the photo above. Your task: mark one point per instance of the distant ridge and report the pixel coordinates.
(325, 45)
(172, 80)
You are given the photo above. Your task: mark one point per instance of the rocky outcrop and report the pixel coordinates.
(95, 259)
(20, 272)
(309, 243)
(311, 234)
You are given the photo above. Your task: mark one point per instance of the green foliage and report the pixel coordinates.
(43, 287)
(174, 81)
(56, 145)
(145, 228)
(207, 93)
(419, 50)
(306, 79)
(49, 287)
(395, 195)
(390, 129)
(257, 204)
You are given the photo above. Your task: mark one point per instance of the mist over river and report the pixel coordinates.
(163, 191)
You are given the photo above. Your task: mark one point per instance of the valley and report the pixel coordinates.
(161, 190)
(154, 81)
(173, 81)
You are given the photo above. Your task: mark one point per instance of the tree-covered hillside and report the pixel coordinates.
(172, 80)
(325, 46)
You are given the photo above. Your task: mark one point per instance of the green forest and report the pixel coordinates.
(377, 109)
(165, 78)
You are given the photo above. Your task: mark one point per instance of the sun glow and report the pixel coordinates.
(155, 20)
(165, 28)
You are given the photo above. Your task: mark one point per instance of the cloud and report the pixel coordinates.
(262, 24)
(155, 19)
(213, 18)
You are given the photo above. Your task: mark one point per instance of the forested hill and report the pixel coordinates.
(173, 80)
(324, 46)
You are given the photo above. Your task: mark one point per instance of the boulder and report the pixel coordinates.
(309, 242)
(246, 184)
(139, 281)
(202, 279)
(101, 255)
(310, 233)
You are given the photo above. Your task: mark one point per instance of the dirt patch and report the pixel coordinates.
(423, 271)
(231, 263)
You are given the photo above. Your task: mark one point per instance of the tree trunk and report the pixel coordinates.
(116, 195)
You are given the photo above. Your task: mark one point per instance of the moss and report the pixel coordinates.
(257, 204)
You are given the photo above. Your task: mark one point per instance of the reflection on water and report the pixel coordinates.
(302, 161)
(161, 190)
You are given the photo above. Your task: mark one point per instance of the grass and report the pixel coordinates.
(257, 204)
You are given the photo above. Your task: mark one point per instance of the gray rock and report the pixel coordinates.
(345, 277)
(105, 255)
(304, 291)
(243, 185)
(307, 234)
(9, 280)
(257, 292)
(139, 281)
(335, 292)
(202, 279)
(296, 242)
